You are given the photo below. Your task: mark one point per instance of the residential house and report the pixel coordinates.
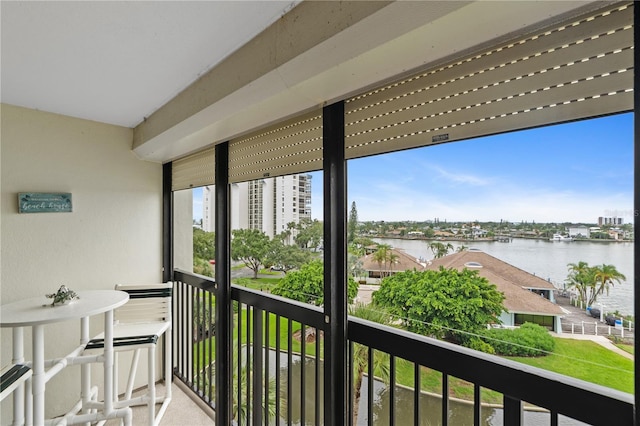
(579, 231)
(399, 261)
(528, 298)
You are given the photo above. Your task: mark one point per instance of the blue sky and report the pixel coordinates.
(570, 172)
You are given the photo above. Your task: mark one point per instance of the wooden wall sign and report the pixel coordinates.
(44, 202)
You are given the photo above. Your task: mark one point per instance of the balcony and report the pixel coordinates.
(269, 381)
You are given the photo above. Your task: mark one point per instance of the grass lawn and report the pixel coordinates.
(627, 348)
(587, 361)
(262, 284)
(584, 360)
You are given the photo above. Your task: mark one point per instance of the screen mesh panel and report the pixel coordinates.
(195, 170)
(579, 69)
(294, 146)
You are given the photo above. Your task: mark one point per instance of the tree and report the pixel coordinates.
(441, 303)
(358, 245)
(204, 244)
(360, 357)
(581, 278)
(202, 267)
(286, 256)
(592, 281)
(250, 246)
(307, 285)
(605, 276)
(380, 255)
(352, 225)
(355, 265)
(309, 234)
(204, 249)
(440, 249)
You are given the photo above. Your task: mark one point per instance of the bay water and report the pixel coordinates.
(548, 260)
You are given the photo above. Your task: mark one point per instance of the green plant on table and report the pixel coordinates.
(62, 296)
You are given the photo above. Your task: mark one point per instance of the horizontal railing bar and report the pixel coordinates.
(194, 280)
(300, 312)
(598, 405)
(297, 311)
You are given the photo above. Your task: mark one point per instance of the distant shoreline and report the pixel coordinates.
(495, 239)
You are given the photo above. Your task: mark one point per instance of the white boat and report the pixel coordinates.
(559, 237)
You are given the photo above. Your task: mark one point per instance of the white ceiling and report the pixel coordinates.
(118, 61)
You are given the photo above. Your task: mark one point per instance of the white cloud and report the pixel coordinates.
(460, 178)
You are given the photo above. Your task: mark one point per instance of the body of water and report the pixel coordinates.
(548, 260)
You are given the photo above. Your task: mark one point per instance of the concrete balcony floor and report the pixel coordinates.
(182, 410)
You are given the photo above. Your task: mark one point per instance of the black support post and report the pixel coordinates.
(167, 239)
(223, 288)
(335, 265)
(167, 223)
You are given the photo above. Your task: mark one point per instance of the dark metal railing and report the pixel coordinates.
(277, 369)
(518, 383)
(275, 334)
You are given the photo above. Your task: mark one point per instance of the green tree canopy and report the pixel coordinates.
(204, 250)
(441, 303)
(307, 284)
(250, 246)
(309, 234)
(204, 244)
(286, 256)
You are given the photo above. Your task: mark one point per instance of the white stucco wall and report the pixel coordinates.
(113, 235)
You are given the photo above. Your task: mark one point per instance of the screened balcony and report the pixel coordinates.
(571, 62)
(270, 376)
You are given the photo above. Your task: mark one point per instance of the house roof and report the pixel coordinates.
(403, 262)
(513, 282)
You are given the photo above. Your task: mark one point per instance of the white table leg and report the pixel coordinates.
(38, 374)
(108, 362)
(18, 394)
(85, 369)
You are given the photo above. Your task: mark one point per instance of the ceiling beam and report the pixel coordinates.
(322, 52)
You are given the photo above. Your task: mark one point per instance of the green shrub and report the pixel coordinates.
(480, 345)
(528, 340)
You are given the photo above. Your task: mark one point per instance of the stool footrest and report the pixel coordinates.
(12, 375)
(124, 341)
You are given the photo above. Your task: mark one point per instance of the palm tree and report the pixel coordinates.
(360, 357)
(605, 275)
(581, 277)
(440, 249)
(391, 259)
(380, 256)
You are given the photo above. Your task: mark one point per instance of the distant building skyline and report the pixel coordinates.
(266, 204)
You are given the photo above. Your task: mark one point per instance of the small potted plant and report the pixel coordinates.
(63, 296)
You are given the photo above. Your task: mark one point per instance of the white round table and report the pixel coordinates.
(32, 313)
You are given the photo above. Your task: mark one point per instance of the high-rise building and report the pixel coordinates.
(602, 221)
(266, 204)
